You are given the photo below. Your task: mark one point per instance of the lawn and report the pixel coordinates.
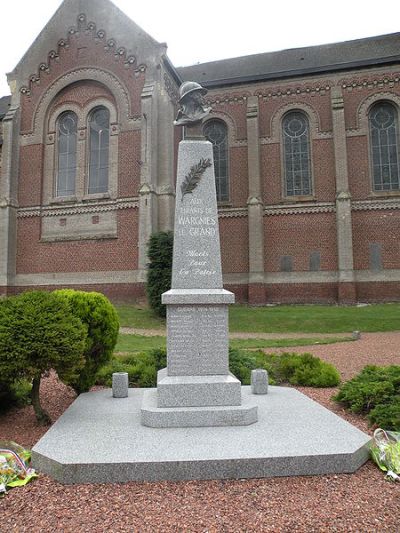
(139, 343)
(286, 318)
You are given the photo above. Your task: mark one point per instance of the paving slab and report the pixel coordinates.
(100, 439)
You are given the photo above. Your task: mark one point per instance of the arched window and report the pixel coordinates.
(384, 127)
(66, 167)
(296, 147)
(99, 135)
(217, 133)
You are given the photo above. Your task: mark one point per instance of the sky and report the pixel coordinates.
(230, 29)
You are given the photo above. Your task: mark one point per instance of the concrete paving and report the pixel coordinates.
(100, 439)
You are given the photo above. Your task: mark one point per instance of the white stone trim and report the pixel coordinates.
(383, 276)
(79, 278)
(78, 208)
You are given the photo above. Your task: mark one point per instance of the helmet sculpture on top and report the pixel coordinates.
(193, 108)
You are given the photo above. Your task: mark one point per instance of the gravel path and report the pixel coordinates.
(363, 501)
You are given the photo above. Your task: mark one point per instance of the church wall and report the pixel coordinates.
(298, 236)
(99, 242)
(119, 253)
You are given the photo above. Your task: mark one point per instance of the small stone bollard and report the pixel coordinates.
(259, 381)
(120, 384)
(356, 335)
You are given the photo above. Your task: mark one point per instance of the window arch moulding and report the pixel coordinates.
(109, 80)
(82, 155)
(310, 112)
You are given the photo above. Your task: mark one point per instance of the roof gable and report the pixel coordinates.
(104, 20)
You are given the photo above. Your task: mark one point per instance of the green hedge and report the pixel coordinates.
(160, 269)
(375, 391)
(142, 368)
(296, 369)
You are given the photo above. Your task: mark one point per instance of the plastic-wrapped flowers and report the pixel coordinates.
(385, 451)
(14, 469)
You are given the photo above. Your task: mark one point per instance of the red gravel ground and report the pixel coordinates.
(363, 501)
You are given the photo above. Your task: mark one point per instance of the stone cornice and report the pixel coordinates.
(368, 82)
(376, 205)
(299, 209)
(75, 209)
(232, 212)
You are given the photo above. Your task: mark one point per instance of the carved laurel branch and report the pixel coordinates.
(193, 178)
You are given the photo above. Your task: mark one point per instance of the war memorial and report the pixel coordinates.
(199, 423)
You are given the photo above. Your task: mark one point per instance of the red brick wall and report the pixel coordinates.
(34, 256)
(30, 175)
(114, 291)
(378, 292)
(360, 184)
(238, 176)
(234, 244)
(298, 236)
(129, 163)
(301, 293)
(376, 227)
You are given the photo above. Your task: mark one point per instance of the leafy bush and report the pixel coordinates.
(101, 320)
(38, 332)
(160, 269)
(142, 368)
(304, 369)
(376, 392)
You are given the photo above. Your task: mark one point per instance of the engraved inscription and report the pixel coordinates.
(197, 340)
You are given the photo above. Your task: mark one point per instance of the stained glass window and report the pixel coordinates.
(216, 132)
(99, 135)
(383, 126)
(66, 168)
(296, 143)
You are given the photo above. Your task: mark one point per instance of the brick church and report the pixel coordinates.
(307, 160)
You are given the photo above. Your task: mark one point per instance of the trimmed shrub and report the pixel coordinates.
(142, 368)
(375, 391)
(307, 370)
(303, 369)
(102, 322)
(38, 333)
(160, 269)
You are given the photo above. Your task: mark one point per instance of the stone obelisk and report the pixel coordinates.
(196, 388)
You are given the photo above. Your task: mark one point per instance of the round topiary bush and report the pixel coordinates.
(38, 332)
(160, 269)
(102, 323)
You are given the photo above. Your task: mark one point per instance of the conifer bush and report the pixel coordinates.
(160, 269)
(38, 332)
(374, 392)
(101, 320)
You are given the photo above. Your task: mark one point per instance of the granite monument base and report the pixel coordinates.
(100, 439)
